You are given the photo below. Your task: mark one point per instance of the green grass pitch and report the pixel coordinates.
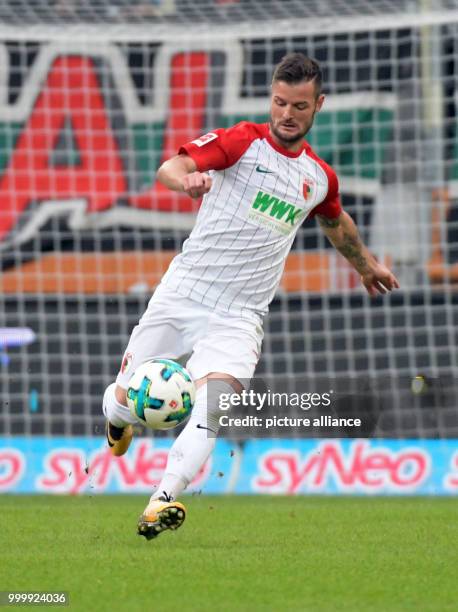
(236, 553)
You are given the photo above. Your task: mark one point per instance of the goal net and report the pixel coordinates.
(95, 94)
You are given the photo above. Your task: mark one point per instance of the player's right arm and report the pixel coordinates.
(179, 173)
(216, 150)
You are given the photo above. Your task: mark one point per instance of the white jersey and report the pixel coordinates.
(234, 257)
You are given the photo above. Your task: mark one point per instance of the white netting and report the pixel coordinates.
(207, 11)
(94, 94)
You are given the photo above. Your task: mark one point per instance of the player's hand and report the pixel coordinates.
(379, 280)
(196, 184)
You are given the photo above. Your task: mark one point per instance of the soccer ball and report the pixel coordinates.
(161, 394)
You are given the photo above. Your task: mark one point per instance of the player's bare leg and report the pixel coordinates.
(188, 454)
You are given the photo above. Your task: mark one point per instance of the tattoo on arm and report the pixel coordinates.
(346, 240)
(351, 249)
(326, 222)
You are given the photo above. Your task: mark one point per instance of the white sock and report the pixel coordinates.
(116, 413)
(193, 446)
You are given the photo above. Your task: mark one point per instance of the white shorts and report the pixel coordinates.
(173, 326)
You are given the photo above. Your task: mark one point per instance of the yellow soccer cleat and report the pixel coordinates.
(160, 515)
(119, 438)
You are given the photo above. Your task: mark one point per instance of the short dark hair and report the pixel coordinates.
(297, 67)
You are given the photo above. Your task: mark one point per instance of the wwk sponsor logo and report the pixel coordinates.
(267, 209)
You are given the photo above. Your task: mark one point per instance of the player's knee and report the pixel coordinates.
(121, 395)
(116, 411)
(220, 376)
(212, 395)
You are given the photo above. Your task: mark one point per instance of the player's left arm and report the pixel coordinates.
(344, 236)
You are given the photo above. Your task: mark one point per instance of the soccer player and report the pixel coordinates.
(258, 182)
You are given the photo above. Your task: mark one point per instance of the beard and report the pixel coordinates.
(290, 139)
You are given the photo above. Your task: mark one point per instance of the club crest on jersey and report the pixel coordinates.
(126, 363)
(307, 188)
(276, 214)
(205, 139)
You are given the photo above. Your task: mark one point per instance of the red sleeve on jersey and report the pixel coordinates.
(331, 206)
(222, 148)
